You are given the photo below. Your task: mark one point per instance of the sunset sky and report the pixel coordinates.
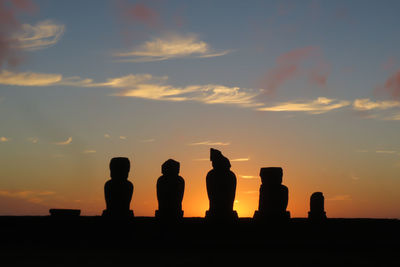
(311, 86)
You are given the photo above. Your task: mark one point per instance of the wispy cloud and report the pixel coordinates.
(288, 66)
(4, 139)
(144, 86)
(240, 159)
(250, 192)
(28, 78)
(63, 143)
(340, 198)
(42, 35)
(169, 47)
(33, 140)
(122, 137)
(139, 12)
(392, 85)
(207, 94)
(10, 12)
(318, 106)
(209, 143)
(249, 176)
(148, 140)
(31, 196)
(107, 136)
(385, 151)
(89, 151)
(393, 117)
(40, 79)
(367, 104)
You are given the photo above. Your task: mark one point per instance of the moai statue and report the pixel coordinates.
(317, 211)
(170, 189)
(273, 196)
(118, 191)
(221, 189)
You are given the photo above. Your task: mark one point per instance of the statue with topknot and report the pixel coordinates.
(170, 190)
(118, 191)
(221, 189)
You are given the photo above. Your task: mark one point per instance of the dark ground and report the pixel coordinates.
(142, 241)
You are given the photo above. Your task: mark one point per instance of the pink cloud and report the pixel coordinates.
(392, 85)
(389, 64)
(319, 74)
(277, 76)
(9, 24)
(297, 55)
(288, 66)
(142, 13)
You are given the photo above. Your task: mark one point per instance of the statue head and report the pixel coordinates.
(119, 168)
(219, 162)
(271, 175)
(170, 167)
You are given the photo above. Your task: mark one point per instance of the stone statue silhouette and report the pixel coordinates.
(221, 188)
(118, 191)
(170, 190)
(273, 195)
(317, 211)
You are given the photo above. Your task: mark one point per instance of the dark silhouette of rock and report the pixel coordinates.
(221, 188)
(170, 190)
(317, 211)
(118, 191)
(273, 195)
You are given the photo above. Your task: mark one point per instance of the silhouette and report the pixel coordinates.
(317, 212)
(64, 213)
(170, 189)
(221, 188)
(273, 195)
(118, 191)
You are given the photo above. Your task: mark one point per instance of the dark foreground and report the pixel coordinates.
(93, 241)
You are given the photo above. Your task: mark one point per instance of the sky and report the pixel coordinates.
(310, 86)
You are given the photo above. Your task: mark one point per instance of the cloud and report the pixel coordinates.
(394, 117)
(147, 140)
(122, 137)
(4, 139)
(385, 151)
(208, 94)
(41, 79)
(33, 140)
(240, 159)
(318, 106)
(31, 196)
(142, 86)
(42, 35)
(367, 104)
(392, 85)
(107, 136)
(89, 151)
(63, 143)
(251, 192)
(319, 74)
(288, 66)
(249, 177)
(340, 198)
(209, 143)
(10, 10)
(141, 13)
(168, 47)
(28, 78)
